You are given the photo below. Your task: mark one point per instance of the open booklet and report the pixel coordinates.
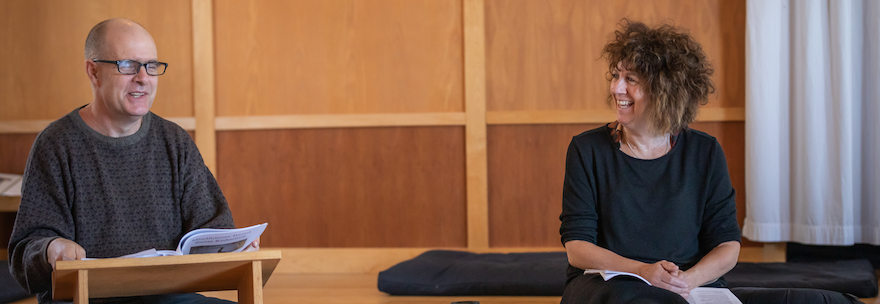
(10, 184)
(699, 295)
(209, 240)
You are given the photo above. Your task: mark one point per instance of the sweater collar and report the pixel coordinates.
(113, 141)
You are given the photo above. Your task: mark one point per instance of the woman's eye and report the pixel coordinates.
(614, 76)
(630, 79)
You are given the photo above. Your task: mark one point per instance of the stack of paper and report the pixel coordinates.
(10, 184)
(699, 295)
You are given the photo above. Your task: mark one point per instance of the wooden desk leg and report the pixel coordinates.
(81, 294)
(250, 289)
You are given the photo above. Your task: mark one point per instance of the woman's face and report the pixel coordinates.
(629, 98)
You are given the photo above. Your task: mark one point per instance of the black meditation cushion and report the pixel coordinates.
(758, 295)
(855, 277)
(443, 273)
(10, 291)
(450, 273)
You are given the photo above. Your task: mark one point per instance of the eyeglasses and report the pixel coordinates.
(131, 67)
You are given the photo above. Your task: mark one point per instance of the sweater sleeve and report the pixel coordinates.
(719, 222)
(579, 217)
(203, 204)
(44, 215)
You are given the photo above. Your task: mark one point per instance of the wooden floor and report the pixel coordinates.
(335, 287)
(342, 288)
(357, 289)
(347, 289)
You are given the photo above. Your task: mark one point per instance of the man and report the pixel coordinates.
(111, 178)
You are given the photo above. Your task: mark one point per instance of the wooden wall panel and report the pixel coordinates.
(338, 56)
(361, 187)
(14, 152)
(526, 169)
(42, 75)
(544, 55)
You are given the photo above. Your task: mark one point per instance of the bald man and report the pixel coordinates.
(111, 178)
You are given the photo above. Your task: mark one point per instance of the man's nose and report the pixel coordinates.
(141, 75)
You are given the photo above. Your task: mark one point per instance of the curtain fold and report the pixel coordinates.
(812, 136)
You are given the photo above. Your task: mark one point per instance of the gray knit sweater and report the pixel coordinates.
(112, 196)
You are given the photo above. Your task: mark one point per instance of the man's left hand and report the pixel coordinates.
(255, 246)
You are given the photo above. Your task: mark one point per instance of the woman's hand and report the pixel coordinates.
(666, 275)
(687, 278)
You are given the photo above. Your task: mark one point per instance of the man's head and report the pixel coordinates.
(120, 96)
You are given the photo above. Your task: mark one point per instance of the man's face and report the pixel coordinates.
(126, 96)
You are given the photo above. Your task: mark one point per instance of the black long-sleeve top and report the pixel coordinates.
(677, 207)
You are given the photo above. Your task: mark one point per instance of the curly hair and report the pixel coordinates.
(675, 73)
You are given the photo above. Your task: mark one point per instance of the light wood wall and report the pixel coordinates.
(382, 123)
(43, 74)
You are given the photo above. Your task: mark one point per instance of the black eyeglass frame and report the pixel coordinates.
(138, 68)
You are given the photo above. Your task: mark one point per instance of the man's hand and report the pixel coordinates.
(665, 274)
(64, 250)
(255, 246)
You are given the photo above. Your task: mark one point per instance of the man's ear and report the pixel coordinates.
(92, 72)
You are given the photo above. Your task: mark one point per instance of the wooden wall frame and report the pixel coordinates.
(475, 137)
(203, 80)
(475, 117)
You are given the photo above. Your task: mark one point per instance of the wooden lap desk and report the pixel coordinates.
(246, 272)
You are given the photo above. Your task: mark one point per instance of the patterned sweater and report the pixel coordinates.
(112, 196)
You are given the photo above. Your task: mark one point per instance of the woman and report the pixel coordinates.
(645, 194)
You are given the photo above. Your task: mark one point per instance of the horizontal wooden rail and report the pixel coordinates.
(187, 123)
(35, 126)
(339, 121)
(722, 114)
(227, 123)
(602, 116)
(23, 126)
(547, 117)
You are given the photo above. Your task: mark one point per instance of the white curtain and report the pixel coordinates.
(813, 121)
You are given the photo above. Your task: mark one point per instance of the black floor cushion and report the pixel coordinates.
(10, 291)
(445, 273)
(855, 277)
(457, 273)
(758, 295)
